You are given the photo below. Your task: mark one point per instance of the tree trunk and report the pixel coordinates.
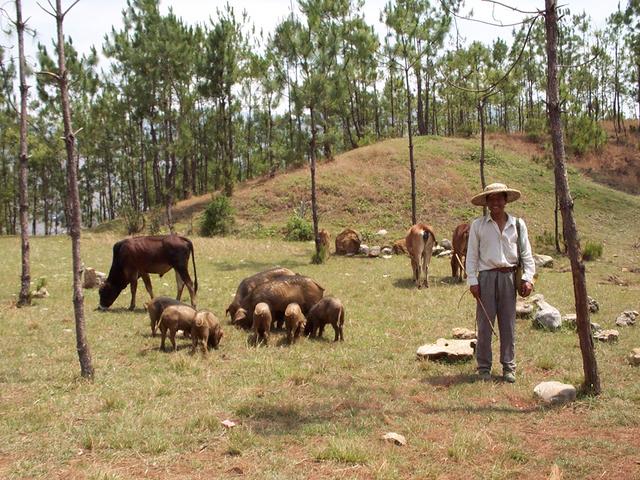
(412, 164)
(483, 182)
(314, 201)
(422, 128)
(84, 354)
(24, 298)
(590, 366)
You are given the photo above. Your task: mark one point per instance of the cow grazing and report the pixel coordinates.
(248, 284)
(278, 293)
(459, 253)
(139, 256)
(328, 310)
(420, 241)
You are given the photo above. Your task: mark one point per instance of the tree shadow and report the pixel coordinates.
(120, 310)
(450, 380)
(258, 266)
(405, 283)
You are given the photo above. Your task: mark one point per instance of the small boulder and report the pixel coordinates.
(542, 260)
(627, 318)
(364, 249)
(445, 349)
(42, 292)
(382, 232)
(607, 336)
(547, 315)
(386, 251)
(444, 253)
(374, 252)
(92, 278)
(446, 244)
(395, 438)
(595, 327)
(555, 393)
(463, 333)
(634, 357)
(437, 249)
(523, 309)
(570, 319)
(594, 306)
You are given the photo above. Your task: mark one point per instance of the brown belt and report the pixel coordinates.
(503, 269)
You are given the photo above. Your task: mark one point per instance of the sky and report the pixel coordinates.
(90, 20)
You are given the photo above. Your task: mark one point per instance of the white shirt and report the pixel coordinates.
(489, 248)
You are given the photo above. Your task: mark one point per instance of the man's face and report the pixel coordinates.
(496, 203)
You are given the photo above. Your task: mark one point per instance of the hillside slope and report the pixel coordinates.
(369, 188)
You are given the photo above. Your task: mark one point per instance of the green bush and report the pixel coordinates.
(535, 128)
(133, 219)
(585, 134)
(298, 229)
(155, 221)
(591, 251)
(217, 218)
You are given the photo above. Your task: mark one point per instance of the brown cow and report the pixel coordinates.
(420, 241)
(139, 256)
(459, 253)
(279, 293)
(248, 284)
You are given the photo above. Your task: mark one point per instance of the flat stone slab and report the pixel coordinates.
(555, 393)
(444, 253)
(447, 349)
(607, 336)
(542, 260)
(634, 357)
(463, 333)
(395, 438)
(523, 310)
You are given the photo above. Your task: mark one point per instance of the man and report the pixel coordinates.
(492, 258)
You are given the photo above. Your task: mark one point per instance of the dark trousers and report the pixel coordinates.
(498, 295)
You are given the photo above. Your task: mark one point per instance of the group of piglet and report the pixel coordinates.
(170, 315)
(279, 296)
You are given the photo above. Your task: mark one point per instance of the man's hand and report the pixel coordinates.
(475, 291)
(525, 288)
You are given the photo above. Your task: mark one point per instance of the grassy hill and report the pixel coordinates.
(319, 409)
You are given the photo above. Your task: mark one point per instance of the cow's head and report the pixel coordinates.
(108, 294)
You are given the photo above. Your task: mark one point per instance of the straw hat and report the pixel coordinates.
(481, 198)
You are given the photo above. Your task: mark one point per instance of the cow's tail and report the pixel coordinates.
(195, 274)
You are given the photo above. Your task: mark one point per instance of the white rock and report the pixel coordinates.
(374, 251)
(42, 292)
(607, 336)
(446, 244)
(463, 333)
(382, 232)
(594, 306)
(364, 249)
(386, 251)
(627, 318)
(555, 393)
(542, 260)
(523, 310)
(444, 253)
(547, 315)
(595, 327)
(436, 250)
(395, 438)
(634, 357)
(447, 349)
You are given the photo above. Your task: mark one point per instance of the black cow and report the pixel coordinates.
(139, 256)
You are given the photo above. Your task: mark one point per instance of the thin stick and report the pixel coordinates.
(460, 263)
(487, 316)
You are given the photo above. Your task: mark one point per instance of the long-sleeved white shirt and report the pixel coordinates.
(489, 248)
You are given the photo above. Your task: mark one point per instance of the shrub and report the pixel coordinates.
(535, 128)
(217, 218)
(321, 257)
(155, 221)
(585, 134)
(298, 229)
(133, 219)
(591, 251)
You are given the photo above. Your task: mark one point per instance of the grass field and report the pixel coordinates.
(318, 409)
